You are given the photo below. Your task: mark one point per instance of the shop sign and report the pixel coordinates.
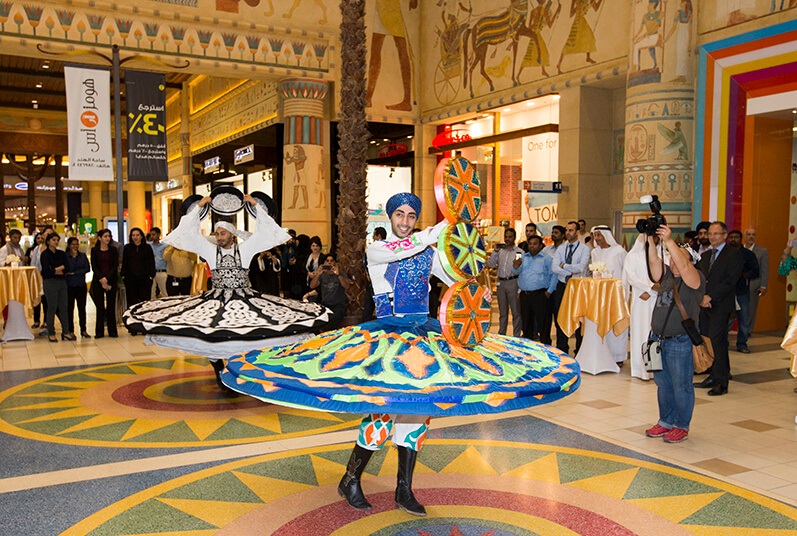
(212, 164)
(541, 186)
(23, 187)
(448, 137)
(244, 154)
(394, 149)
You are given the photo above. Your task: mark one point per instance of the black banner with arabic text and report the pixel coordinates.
(145, 96)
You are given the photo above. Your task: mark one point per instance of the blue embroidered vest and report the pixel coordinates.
(409, 279)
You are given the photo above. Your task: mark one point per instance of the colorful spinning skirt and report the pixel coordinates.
(377, 367)
(227, 314)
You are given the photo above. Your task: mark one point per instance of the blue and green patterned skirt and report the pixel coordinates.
(377, 367)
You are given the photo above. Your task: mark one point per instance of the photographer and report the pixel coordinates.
(676, 395)
(332, 286)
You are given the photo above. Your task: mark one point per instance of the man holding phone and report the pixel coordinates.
(504, 257)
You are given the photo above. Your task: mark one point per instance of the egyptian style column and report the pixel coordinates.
(305, 185)
(95, 201)
(187, 179)
(31, 195)
(660, 114)
(136, 204)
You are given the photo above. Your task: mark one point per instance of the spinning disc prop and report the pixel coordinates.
(463, 253)
(457, 190)
(465, 313)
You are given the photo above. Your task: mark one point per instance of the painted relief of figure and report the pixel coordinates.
(581, 38)
(321, 184)
(734, 11)
(319, 3)
(231, 6)
(390, 21)
(299, 183)
(783, 5)
(676, 141)
(682, 24)
(537, 51)
(648, 38)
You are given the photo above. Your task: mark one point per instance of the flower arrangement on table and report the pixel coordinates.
(13, 260)
(598, 270)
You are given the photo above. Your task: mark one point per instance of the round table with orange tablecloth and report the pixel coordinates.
(600, 305)
(21, 289)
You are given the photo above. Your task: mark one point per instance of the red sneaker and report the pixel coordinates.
(676, 435)
(656, 431)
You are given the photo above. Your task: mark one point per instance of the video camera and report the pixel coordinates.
(650, 225)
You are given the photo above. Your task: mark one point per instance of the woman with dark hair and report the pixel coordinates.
(105, 283)
(77, 266)
(314, 261)
(54, 263)
(138, 268)
(38, 240)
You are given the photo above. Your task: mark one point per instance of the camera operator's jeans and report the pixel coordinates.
(676, 393)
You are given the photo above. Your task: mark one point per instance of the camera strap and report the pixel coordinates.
(677, 299)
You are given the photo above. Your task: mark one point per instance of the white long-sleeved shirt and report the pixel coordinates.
(188, 237)
(383, 252)
(9, 249)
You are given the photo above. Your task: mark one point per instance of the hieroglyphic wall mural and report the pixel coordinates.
(242, 42)
(482, 47)
(716, 14)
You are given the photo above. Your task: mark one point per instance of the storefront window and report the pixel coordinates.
(522, 161)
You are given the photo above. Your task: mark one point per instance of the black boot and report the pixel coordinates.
(218, 366)
(405, 500)
(349, 487)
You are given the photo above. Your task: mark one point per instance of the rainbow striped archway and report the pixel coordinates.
(731, 71)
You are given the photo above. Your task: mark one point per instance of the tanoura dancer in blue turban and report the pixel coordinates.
(399, 370)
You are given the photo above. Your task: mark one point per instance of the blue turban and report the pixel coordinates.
(703, 225)
(405, 198)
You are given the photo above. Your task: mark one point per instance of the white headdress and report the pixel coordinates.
(227, 226)
(606, 233)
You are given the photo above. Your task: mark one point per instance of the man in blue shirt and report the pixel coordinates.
(571, 260)
(537, 282)
(158, 248)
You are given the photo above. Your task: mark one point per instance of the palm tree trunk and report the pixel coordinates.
(352, 155)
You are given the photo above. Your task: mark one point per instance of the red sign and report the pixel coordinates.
(447, 137)
(394, 149)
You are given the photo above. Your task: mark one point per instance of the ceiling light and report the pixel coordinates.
(34, 101)
(38, 85)
(45, 66)
(794, 129)
(556, 97)
(530, 103)
(485, 115)
(409, 137)
(470, 121)
(794, 111)
(507, 109)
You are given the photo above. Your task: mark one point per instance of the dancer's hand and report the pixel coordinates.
(204, 201)
(251, 200)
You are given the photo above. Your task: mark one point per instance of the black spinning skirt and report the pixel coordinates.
(226, 314)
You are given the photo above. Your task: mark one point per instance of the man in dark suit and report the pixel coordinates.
(749, 273)
(758, 287)
(722, 266)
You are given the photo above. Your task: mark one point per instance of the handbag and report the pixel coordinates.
(702, 351)
(651, 355)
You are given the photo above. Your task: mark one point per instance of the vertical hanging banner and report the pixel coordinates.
(88, 112)
(145, 96)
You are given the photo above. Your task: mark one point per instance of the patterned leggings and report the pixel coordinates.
(408, 431)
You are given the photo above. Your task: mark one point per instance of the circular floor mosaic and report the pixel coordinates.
(163, 403)
(469, 487)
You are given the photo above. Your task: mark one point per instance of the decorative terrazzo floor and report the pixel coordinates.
(153, 447)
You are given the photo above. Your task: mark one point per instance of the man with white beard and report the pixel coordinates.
(643, 300)
(610, 253)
